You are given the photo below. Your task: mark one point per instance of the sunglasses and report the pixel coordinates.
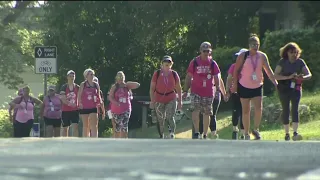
(206, 51)
(91, 74)
(254, 45)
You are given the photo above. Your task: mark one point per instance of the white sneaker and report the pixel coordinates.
(172, 136)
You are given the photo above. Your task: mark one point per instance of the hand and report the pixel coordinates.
(151, 106)
(299, 77)
(103, 115)
(80, 106)
(184, 95)
(11, 117)
(179, 105)
(226, 97)
(234, 88)
(292, 76)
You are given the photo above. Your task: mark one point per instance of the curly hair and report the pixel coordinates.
(289, 47)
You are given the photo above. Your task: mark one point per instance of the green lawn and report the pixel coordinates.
(309, 130)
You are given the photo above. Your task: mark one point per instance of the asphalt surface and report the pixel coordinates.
(153, 159)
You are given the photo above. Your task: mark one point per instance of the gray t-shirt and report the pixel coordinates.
(288, 68)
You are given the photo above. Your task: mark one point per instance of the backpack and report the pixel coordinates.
(174, 73)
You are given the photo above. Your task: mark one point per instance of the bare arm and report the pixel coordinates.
(37, 101)
(99, 95)
(80, 93)
(132, 85)
(222, 88)
(178, 88)
(63, 97)
(237, 68)
(151, 91)
(111, 95)
(229, 82)
(268, 69)
(187, 83)
(306, 73)
(277, 74)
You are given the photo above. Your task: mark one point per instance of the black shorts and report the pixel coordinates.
(70, 117)
(52, 122)
(249, 93)
(88, 111)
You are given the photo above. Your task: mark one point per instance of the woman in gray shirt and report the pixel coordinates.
(290, 72)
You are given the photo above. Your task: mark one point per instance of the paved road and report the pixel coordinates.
(153, 159)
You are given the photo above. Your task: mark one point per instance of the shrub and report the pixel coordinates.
(307, 39)
(6, 129)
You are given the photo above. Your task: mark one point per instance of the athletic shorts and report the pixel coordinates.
(70, 117)
(249, 93)
(56, 123)
(88, 111)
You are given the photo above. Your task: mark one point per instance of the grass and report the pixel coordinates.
(310, 130)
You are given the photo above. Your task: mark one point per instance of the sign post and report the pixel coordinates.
(45, 63)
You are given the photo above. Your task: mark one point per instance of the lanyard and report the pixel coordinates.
(254, 63)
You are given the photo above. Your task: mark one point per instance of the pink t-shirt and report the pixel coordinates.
(202, 82)
(52, 107)
(25, 113)
(89, 97)
(252, 67)
(122, 95)
(165, 84)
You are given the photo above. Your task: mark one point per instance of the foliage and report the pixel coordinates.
(16, 41)
(6, 129)
(307, 39)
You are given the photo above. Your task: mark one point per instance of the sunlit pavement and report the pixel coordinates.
(142, 159)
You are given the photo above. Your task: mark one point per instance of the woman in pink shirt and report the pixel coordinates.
(12, 117)
(249, 85)
(164, 85)
(120, 98)
(25, 113)
(51, 112)
(89, 99)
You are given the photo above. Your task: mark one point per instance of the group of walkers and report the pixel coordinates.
(244, 85)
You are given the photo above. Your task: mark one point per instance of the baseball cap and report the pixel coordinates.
(70, 72)
(51, 87)
(95, 79)
(241, 51)
(167, 58)
(205, 46)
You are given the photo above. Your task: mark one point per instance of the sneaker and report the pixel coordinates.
(242, 137)
(247, 137)
(161, 136)
(296, 137)
(196, 136)
(287, 137)
(205, 136)
(256, 135)
(235, 135)
(172, 136)
(200, 136)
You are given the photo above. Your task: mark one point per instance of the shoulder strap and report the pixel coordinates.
(246, 54)
(195, 64)
(157, 76)
(174, 73)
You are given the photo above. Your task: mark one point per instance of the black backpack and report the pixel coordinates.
(246, 54)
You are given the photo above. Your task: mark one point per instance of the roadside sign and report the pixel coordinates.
(46, 59)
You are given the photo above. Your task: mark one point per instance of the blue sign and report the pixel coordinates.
(35, 131)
